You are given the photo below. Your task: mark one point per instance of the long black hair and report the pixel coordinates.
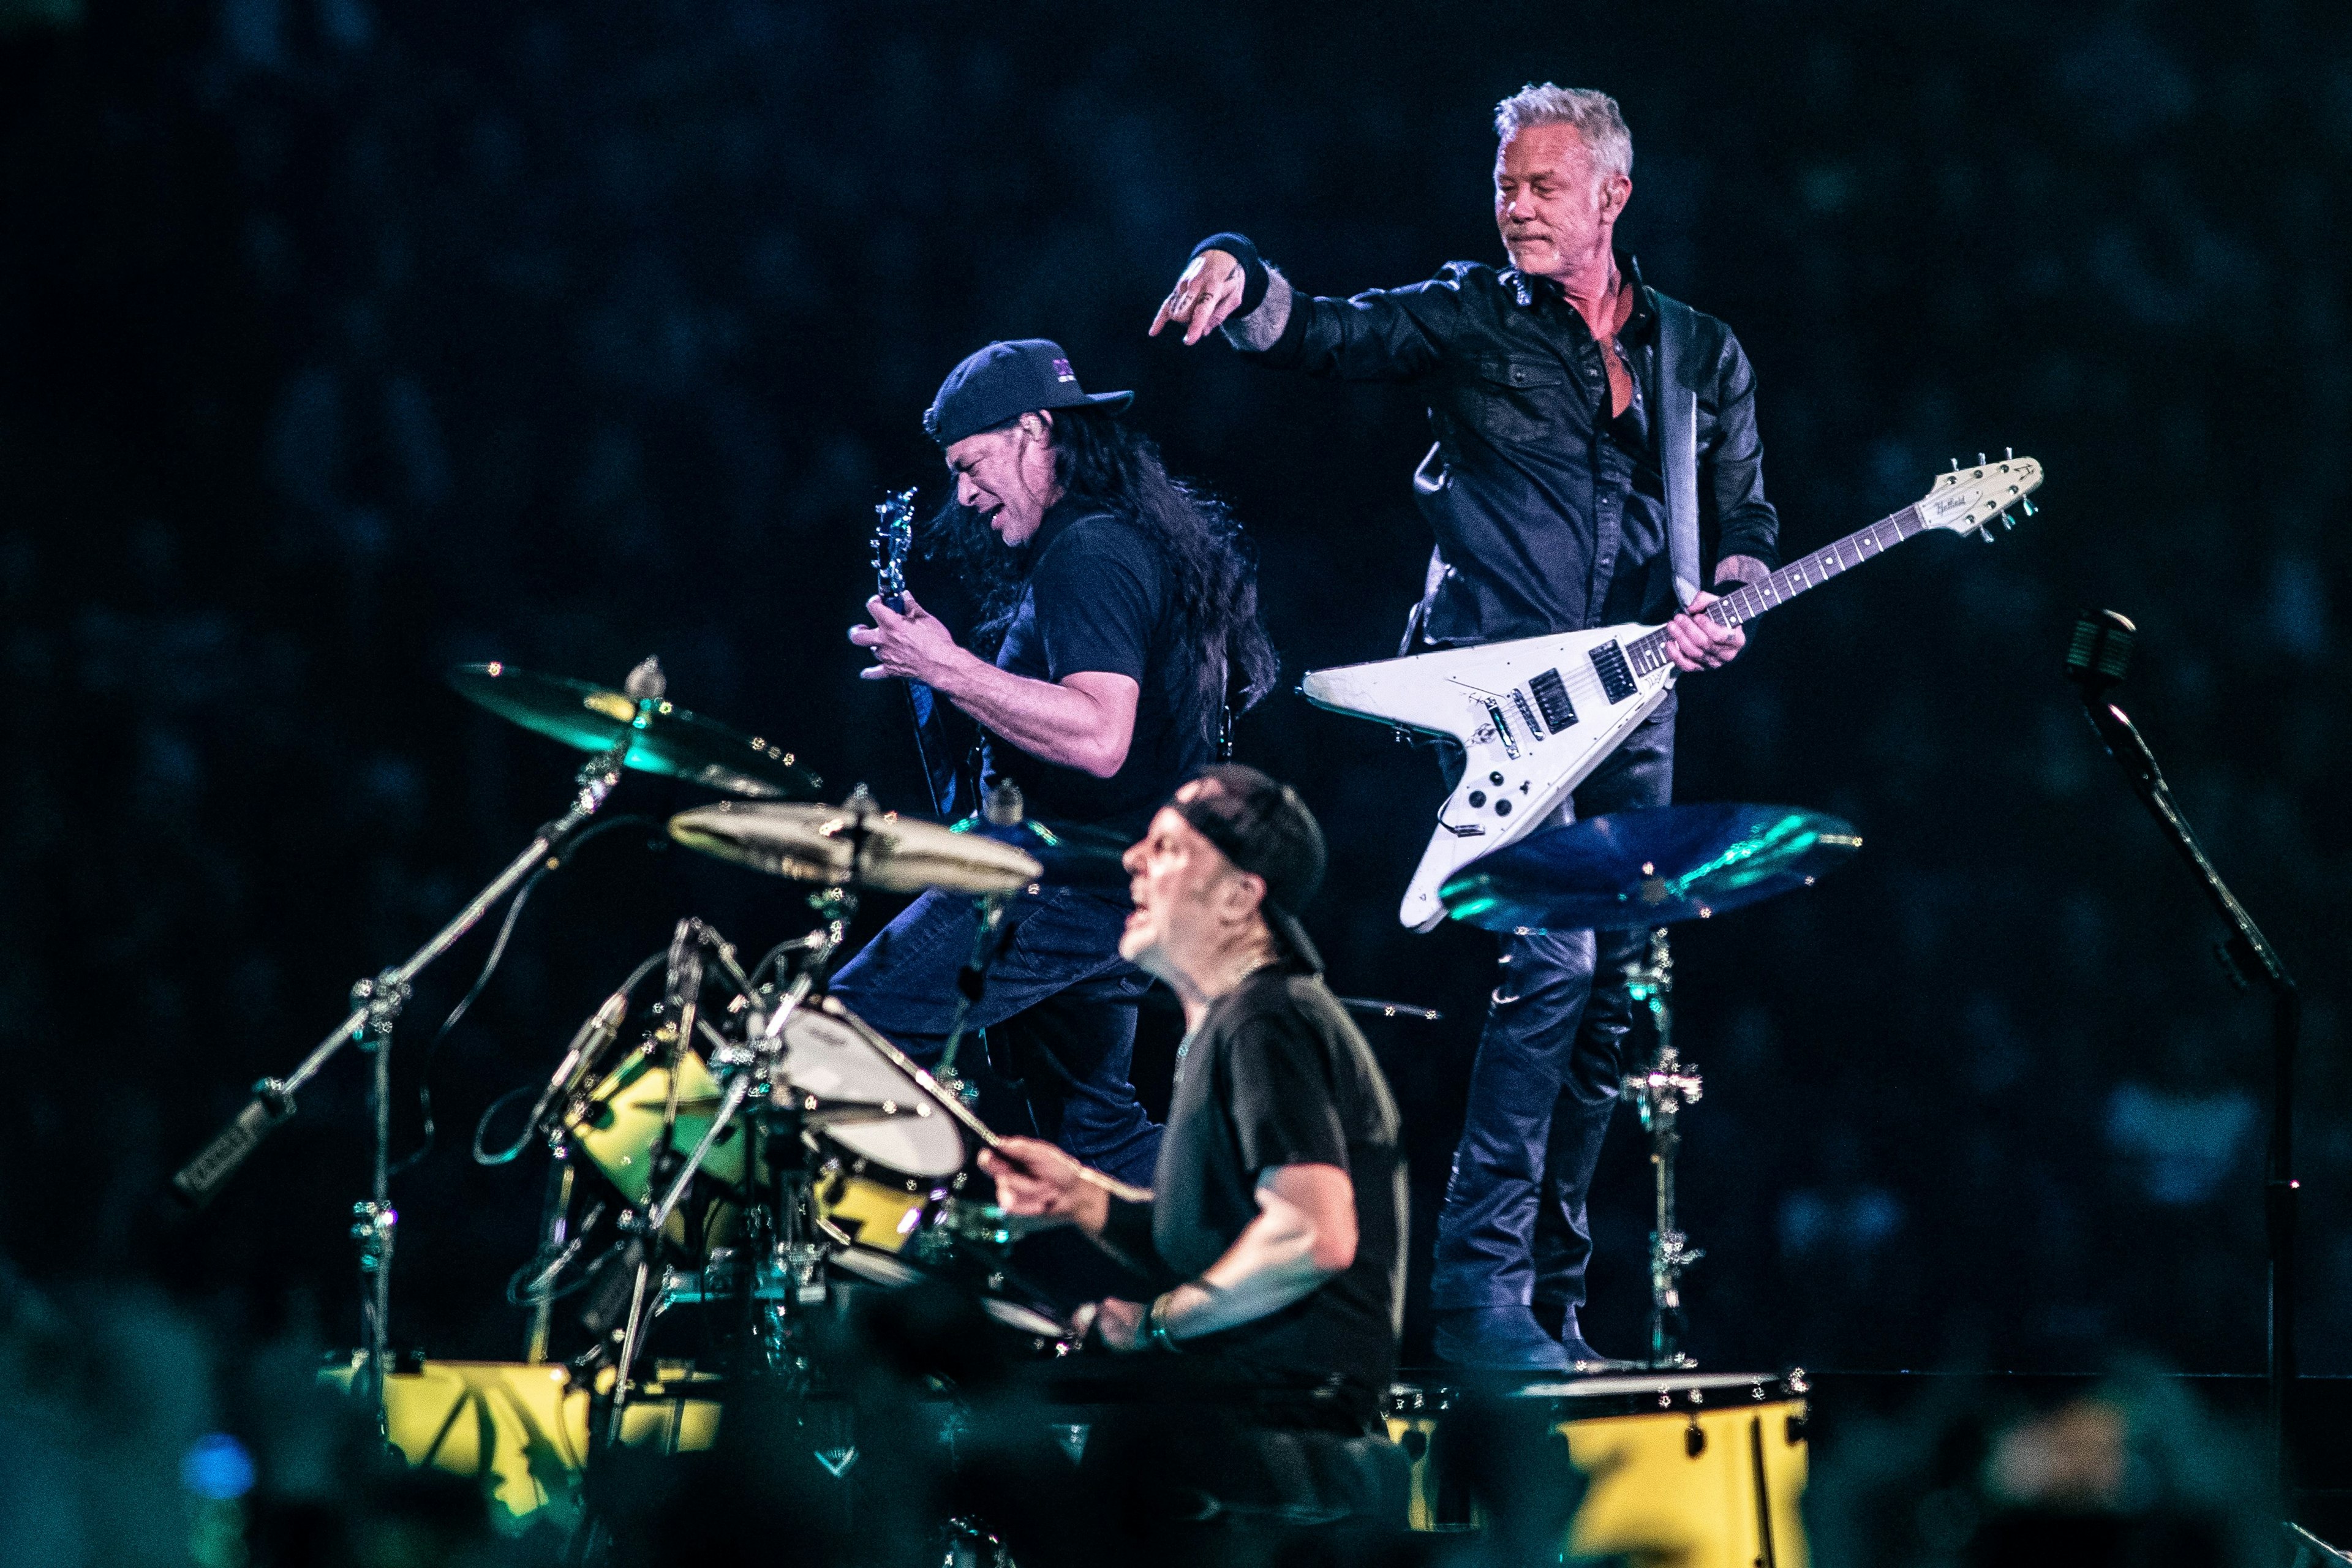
(1104, 463)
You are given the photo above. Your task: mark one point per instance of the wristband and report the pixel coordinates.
(1255, 279)
(1155, 1327)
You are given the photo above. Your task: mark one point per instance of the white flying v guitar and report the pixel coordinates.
(1536, 715)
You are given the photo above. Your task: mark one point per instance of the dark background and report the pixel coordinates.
(339, 343)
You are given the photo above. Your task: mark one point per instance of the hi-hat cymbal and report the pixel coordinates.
(1649, 867)
(671, 740)
(854, 845)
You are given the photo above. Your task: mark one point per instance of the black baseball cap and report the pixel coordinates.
(1264, 829)
(1004, 381)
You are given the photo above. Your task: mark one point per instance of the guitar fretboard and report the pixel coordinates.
(1745, 604)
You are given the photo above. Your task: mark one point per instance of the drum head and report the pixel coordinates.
(1023, 1319)
(833, 1058)
(877, 1268)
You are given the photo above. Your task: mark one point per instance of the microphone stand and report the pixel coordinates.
(2101, 650)
(376, 1004)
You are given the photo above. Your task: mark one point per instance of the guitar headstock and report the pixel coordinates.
(894, 536)
(1967, 499)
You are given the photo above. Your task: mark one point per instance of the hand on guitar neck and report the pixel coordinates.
(1694, 642)
(910, 643)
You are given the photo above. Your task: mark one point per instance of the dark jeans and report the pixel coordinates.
(1512, 1231)
(1058, 1003)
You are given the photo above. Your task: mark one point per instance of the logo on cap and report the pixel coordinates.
(1062, 371)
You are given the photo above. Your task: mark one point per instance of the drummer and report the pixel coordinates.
(1115, 600)
(1276, 1226)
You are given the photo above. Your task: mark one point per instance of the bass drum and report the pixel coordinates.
(891, 1146)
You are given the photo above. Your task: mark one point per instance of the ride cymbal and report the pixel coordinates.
(854, 844)
(671, 741)
(1649, 867)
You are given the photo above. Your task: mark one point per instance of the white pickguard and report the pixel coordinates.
(1460, 692)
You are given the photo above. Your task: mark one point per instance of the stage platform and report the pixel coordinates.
(1692, 1469)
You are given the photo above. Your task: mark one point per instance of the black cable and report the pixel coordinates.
(482, 1127)
(562, 853)
(483, 1156)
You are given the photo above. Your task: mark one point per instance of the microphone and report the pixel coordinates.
(2095, 660)
(2101, 650)
(579, 1059)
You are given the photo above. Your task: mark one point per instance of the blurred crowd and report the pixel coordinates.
(135, 1436)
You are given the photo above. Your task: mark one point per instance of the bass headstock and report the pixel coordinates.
(894, 537)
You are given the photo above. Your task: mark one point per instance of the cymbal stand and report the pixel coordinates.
(747, 1066)
(376, 1004)
(1660, 1090)
(1003, 808)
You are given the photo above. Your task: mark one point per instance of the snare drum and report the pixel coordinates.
(1687, 1470)
(891, 1149)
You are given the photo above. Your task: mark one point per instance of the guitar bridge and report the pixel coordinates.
(1503, 731)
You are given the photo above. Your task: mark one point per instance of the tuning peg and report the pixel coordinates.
(2028, 506)
(1956, 465)
(1980, 460)
(2008, 452)
(1985, 534)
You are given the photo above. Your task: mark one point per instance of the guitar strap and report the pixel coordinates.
(1679, 440)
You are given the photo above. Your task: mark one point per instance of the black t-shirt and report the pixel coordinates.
(1277, 1075)
(1099, 597)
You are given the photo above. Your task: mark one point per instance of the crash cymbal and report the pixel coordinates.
(671, 740)
(854, 844)
(1649, 867)
(1082, 857)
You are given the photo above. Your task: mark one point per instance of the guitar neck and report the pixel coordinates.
(1745, 604)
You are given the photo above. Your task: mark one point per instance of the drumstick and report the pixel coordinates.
(982, 1129)
(994, 1144)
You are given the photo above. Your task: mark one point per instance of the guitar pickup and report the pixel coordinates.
(1616, 679)
(1551, 696)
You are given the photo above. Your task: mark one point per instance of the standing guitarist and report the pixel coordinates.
(1117, 599)
(1589, 432)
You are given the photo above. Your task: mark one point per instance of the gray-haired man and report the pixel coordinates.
(1548, 491)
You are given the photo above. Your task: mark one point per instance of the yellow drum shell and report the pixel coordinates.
(618, 1125)
(870, 1207)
